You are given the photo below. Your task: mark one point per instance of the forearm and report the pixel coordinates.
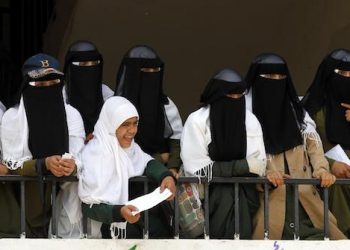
(103, 212)
(157, 171)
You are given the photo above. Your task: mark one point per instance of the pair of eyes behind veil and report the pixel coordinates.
(273, 76)
(344, 73)
(44, 83)
(87, 63)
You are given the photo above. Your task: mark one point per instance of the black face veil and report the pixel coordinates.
(328, 90)
(140, 80)
(227, 116)
(46, 116)
(275, 103)
(84, 83)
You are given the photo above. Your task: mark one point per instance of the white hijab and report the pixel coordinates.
(106, 166)
(196, 137)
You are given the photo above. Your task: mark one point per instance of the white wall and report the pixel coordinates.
(30, 244)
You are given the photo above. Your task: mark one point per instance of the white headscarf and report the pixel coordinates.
(196, 137)
(106, 166)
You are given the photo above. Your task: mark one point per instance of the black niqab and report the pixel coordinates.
(84, 83)
(227, 116)
(275, 104)
(328, 91)
(46, 116)
(145, 91)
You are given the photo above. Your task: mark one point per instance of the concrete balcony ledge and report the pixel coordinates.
(92, 244)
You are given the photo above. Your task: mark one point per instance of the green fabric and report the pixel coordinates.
(28, 169)
(320, 119)
(222, 202)
(103, 212)
(230, 168)
(174, 154)
(174, 157)
(339, 195)
(38, 209)
(10, 212)
(339, 204)
(307, 231)
(155, 170)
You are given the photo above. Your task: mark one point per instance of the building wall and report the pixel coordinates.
(196, 38)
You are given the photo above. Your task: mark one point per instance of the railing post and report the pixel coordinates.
(206, 210)
(266, 211)
(85, 234)
(326, 217)
(146, 225)
(236, 235)
(176, 236)
(54, 216)
(23, 211)
(296, 212)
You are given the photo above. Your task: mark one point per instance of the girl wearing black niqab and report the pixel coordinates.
(292, 144)
(327, 100)
(83, 70)
(35, 134)
(223, 139)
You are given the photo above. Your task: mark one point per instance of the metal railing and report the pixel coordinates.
(234, 180)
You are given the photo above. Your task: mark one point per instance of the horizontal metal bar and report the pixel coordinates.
(49, 178)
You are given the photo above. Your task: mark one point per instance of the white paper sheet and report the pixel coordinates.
(337, 153)
(149, 200)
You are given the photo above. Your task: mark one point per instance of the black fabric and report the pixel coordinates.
(228, 142)
(216, 89)
(316, 95)
(277, 107)
(222, 210)
(228, 131)
(10, 78)
(327, 92)
(227, 120)
(337, 128)
(47, 122)
(84, 86)
(145, 91)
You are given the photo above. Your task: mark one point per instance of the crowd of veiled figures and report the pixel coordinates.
(66, 122)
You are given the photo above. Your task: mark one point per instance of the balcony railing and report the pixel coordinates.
(236, 181)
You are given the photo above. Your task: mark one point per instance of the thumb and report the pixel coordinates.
(132, 208)
(345, 105)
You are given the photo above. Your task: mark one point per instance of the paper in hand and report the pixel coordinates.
(337, 153)
(149, 200)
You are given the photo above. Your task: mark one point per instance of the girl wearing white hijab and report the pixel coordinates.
(109, 160)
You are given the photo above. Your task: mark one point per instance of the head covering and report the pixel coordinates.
(10, 78)
(84, 83)
(328, 90)
(107, 166)
(44, 107)
(275, 103)
(145, 91)
(227, 116)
